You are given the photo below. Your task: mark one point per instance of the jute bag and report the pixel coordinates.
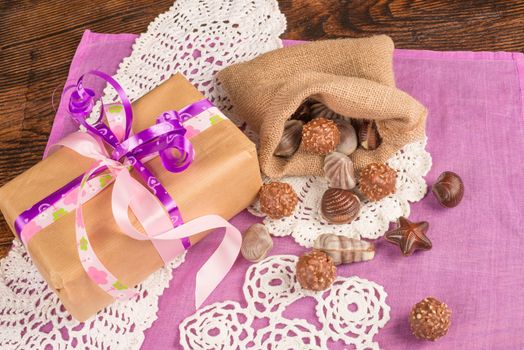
(352, 77)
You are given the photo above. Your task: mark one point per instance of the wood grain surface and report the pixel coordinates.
(38, 40)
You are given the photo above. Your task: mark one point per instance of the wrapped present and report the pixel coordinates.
(71, 213)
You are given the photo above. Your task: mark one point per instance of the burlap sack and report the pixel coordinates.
(353, 77)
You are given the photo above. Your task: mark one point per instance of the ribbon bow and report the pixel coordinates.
(154, 208)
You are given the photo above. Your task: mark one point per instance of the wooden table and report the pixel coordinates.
(38, 40)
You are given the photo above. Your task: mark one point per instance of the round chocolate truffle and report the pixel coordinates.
(320, 136)
(277, 199)
(377, 181)
(430, 319)
(316, 271)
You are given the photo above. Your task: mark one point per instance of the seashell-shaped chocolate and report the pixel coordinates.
(339, 206)
(256, 243)
(321, 110)
(348, 138)
(344, 250)
(290, 140)
(368, 135)
(303, 111)
(339, 171)
(449, 189)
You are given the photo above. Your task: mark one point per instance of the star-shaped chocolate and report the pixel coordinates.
(409, 236)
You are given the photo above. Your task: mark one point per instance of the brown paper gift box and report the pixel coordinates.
(223, 179)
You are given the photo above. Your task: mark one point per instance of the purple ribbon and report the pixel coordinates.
(166, 136)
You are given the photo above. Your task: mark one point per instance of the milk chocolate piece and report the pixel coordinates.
(377, 181)
(339, 206)
(368, 135)
(319, 109)
(256, 243)
(344, 250)
(316, 271)
(303, 112)
(277, 200)
(339, 171)
(348, 137)
(290, 140)
(430, 319)
(320, 136)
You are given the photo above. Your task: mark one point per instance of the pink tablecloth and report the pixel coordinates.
(475, 128)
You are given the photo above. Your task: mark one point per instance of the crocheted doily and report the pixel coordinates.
(32, 317)
(197, 38)
(352, 310)
(412, 163)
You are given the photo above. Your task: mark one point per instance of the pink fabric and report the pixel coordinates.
(475, 128)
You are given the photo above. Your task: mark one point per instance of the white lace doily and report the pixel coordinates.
(352, 310)
(197, 38)
(412, 163)
(32, 317)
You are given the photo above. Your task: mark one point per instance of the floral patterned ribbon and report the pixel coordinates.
(154, 208)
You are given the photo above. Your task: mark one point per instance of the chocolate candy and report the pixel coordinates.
(316, 271)
(348, 138)
(430, 319)
(319, 109)
(339, 171)
(377, 181)
(368, 135)
(339, 206)
(344, 250)
(290, 140)
(277, 199)
(256, 243)
(409, 236)
(303, 111)
(320, 136)
(449, 189)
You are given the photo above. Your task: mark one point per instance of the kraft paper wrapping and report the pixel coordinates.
(224, 179)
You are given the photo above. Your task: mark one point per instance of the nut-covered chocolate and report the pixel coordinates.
(449, 189)
(277, 199)
(320, 136)
(377, 181)
(316, 271)
(430, 319)
(368, 135)
(339, 206)
(290, 140)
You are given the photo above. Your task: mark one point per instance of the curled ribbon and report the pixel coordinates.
(154, 208)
